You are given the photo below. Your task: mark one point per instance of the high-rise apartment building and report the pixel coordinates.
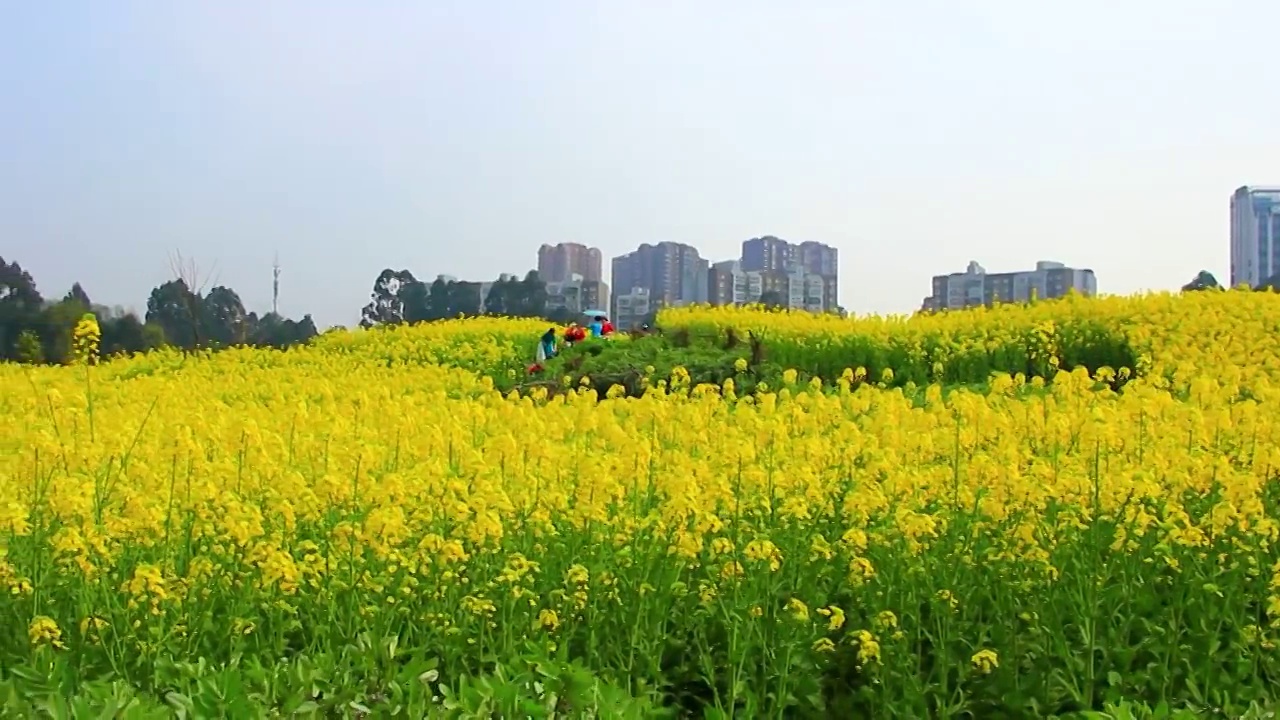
(726, 283)
(1255, 235)
(767, 254)
(806, 291)
(671, 274)
(577, 295)
(806, 274)
(823, 260)
(729, 284)
(631, 309)
(559, 263)
(975, 286)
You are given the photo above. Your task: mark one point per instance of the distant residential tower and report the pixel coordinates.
(975, 286)
(559, 263)
(652, 277)
(1255, 235)
(804, 275)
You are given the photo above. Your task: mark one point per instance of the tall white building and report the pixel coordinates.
(1255, 234)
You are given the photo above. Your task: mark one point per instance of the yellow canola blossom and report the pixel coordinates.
(256, 500)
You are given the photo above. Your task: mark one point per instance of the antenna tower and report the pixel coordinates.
(275, 286)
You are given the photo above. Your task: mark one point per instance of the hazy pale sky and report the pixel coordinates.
(455, 137)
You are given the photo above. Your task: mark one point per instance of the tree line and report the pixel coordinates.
(1204, 280)
(399, 297)
(34, 329)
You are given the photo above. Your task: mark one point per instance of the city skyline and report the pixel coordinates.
(768, 254)
(575, 269)
(350, 138)
(574, 277)
(668, 274)
(1254, 249)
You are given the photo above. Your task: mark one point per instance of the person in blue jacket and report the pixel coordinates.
(597, 326)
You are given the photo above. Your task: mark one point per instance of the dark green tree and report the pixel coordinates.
(772, 299)
(28, 349)
(275, 331)
(533, 296)
(57, 323)
(1204, 280)
(501, 299)
(562, 316)
(225, 321)
(386, 306)
(304, 329)
(78, 294)
(415, 298)
(438, 300)
(464, 299)
(20, 306)
(153, 336)
(177, 310)
(123, 335)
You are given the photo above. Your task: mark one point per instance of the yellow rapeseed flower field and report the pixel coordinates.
(366, 526)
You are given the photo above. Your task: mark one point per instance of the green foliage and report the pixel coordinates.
(191, 321)
(1204, 280)
(175, 315)
(635, 364)
(1126, 710)
(920, 357)
(772, 299)
(638, 363)
(1110, 635)
(399, 297)
(364, 677)
(20, 306)
(28, 348)
(59, 320)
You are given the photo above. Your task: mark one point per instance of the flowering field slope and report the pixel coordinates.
(366, 528)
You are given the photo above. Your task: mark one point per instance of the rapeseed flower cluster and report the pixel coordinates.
(935, 537)
(86, 337)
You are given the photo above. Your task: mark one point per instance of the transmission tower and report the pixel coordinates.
(275, 286)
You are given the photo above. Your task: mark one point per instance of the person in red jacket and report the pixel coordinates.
(606, 329)
(574, 334)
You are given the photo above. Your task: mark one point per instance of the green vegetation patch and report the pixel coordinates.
(753, 359)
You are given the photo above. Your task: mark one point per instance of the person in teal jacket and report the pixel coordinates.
(547, 345)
